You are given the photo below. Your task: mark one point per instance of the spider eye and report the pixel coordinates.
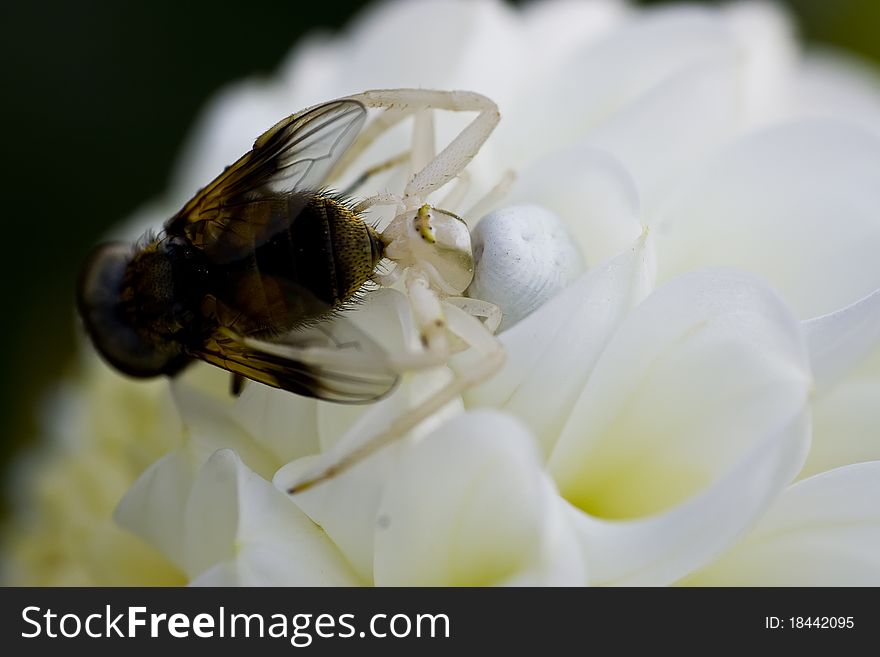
(441, 240)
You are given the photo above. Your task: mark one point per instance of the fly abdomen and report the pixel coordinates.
(353, 247)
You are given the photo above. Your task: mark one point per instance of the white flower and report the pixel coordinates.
(699, 407)
(105, 431)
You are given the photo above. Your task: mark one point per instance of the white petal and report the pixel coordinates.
(237, 518)
(592, 192)
(561, 560)
(840, 340)
(562, 26)
(226, 130)
(823, 531)
(695, 375)
(223, 524)
(265, 426)
(209, 417)
(846, 426)
(560, 343)
(431, 44)
(657, 550)
(153, 508)
(603, 77)
(674, 124)
(701, 378)
(292, 562)
(836, 85)
(469, 505)
(346, 506)
(767, 57)
(149, 216)
(311, 71)
(284, 424)
(435, 44)
(795, 203)
(224, 573)
(846, 416)
(212, 513)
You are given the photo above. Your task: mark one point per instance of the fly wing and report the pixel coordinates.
(294, 156)
(334, 361)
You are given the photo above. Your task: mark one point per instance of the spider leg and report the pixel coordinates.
(470, 330)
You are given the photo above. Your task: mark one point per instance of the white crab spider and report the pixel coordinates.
(431, 249)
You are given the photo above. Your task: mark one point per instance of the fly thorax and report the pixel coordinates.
(160, 289)
(148, 293)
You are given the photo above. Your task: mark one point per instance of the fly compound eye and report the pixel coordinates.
(442, 244)
(105, 321)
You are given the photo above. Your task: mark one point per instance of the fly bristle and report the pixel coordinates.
(355, 299)
(382, 269)
(346, 200)
(145, 242)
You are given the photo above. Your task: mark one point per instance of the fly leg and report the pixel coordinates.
(390, 163)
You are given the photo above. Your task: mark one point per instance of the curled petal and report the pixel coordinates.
(211, 516)
(703, 388)
(845, 357)
(695, 375)
(242, 530)
(822, 531)
(213, 419)
(846, 425)
(657, 550)
(222, 522)
(561, 341)
(153, 507)
(840, 340)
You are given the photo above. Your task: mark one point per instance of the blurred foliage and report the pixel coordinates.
(852, 25)
(98, 99)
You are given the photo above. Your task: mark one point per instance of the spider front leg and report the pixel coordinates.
(479, 308)
(428, 314)
(431, 247)
(399, 104)
(474, 334)
(436, 255)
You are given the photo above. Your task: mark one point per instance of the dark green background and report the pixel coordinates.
(97, 98)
